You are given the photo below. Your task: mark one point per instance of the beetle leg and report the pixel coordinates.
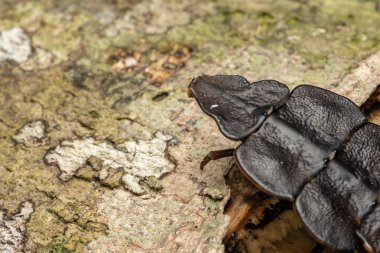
(318, 248)
(215, 155)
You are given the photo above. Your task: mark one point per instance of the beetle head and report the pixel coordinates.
(237, 106)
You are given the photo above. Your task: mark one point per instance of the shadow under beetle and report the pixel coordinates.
(312, 147)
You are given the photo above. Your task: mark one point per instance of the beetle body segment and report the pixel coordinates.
(332, 206)
(297, 141)
(312, 147)
(238, 107)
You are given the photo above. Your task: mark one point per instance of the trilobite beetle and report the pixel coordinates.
(310, 146)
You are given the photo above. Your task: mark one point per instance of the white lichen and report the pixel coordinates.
(139, 159)
(148, 157)
(70, 155)
(12, 229)
(132, 184)
(14, 45)
(32, 134)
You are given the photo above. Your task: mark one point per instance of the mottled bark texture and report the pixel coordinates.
(100, 146)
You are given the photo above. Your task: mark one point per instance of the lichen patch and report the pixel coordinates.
(70, 155)
(132, 184)
(127, 162)
(14, 45)
(12, 229)
(32, 134)
(148, 157)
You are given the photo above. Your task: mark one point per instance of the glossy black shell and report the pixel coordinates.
(311, 146)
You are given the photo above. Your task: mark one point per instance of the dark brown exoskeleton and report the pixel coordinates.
(312, 147)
